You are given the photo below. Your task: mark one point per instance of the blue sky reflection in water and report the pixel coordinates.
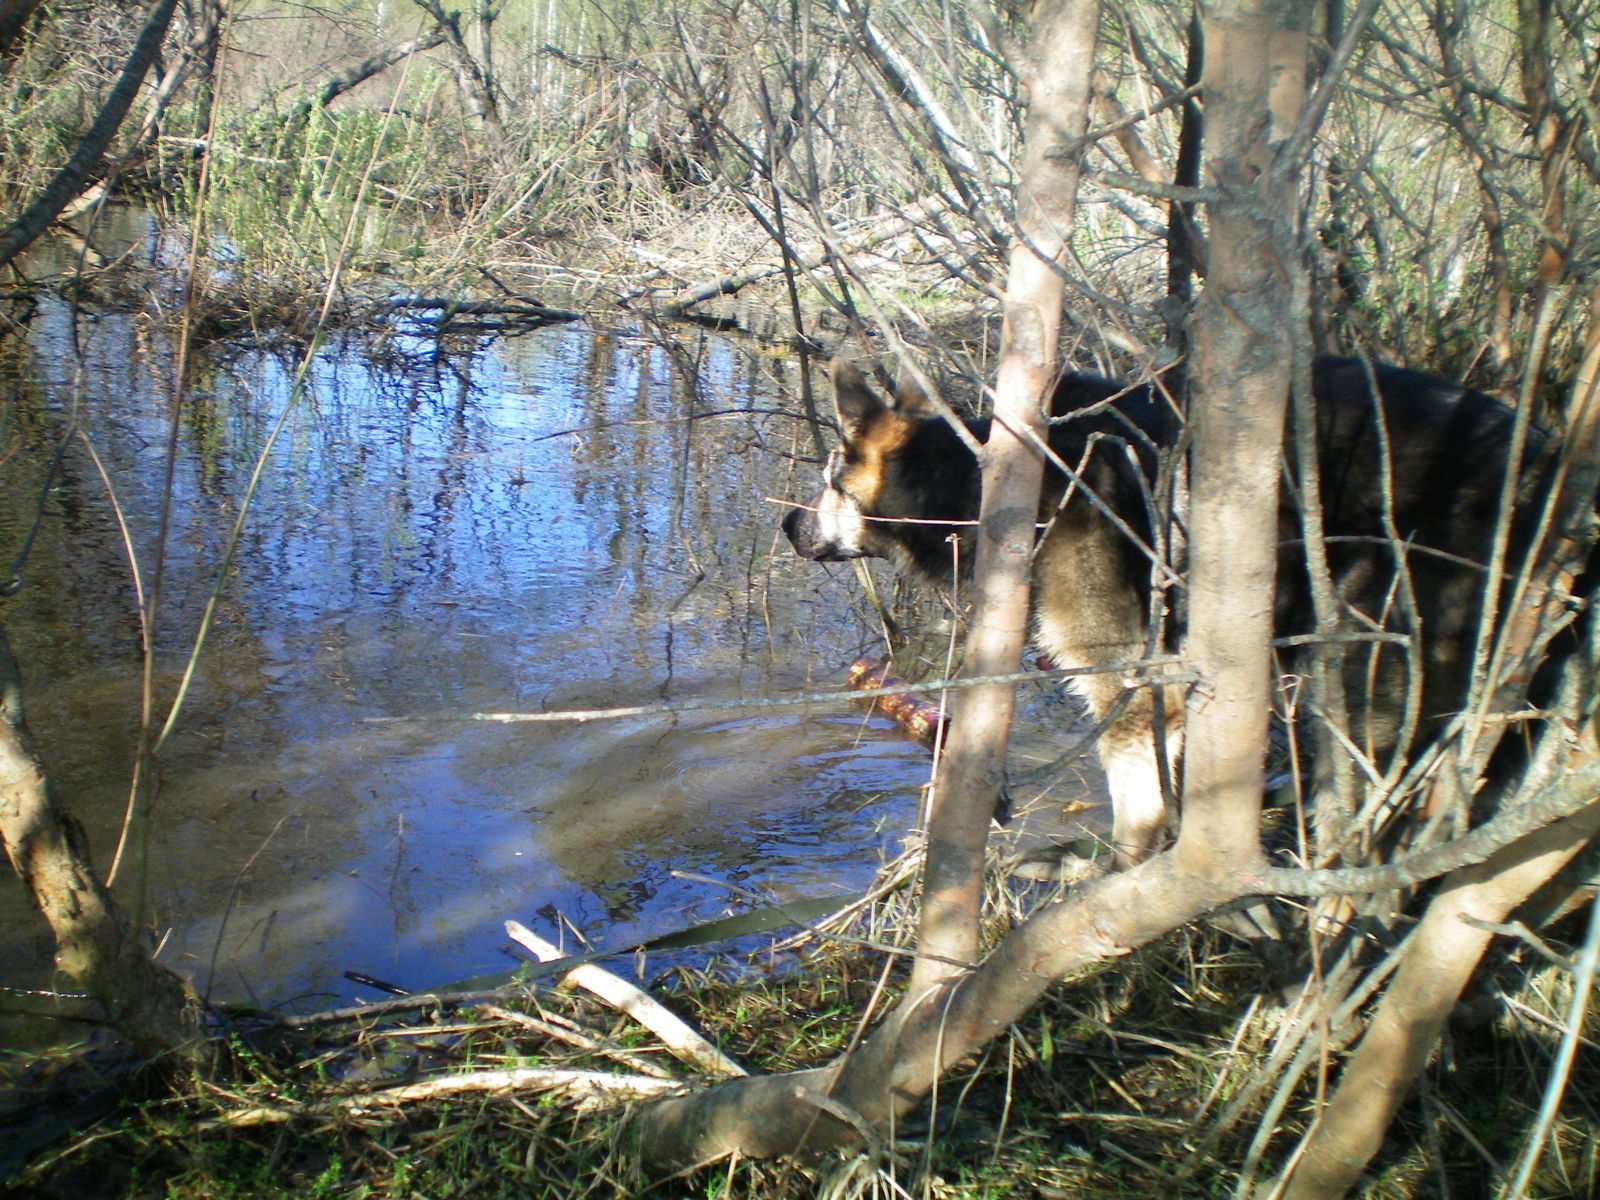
(425, 543)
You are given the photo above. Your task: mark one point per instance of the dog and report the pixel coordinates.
(1411, 472)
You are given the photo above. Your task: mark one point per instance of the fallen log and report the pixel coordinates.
(920, 718)
(517, 310)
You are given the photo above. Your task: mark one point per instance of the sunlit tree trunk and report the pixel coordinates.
(1444, 952)
(1062, 61)
(1243, 339)
(95, 949)
(948, 1009)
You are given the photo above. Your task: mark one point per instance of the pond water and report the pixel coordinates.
(571, 519)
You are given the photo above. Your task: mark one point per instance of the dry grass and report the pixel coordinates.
(1102, 1092)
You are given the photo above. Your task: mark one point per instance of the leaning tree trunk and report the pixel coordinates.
(331, 89)
(968, 786)
(86, 159)
(94, 946)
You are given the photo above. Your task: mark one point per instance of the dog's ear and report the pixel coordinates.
(857, 404)
(910, 397)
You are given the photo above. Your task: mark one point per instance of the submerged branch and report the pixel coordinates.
(520, 307)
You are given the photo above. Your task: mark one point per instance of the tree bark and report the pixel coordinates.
(345, 81)
(94, 947)
(1254, 82)
(965, 795)
(80, 168)
(850, 1102)
(949, 1010)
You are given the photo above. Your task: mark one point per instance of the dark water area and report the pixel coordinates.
(572, 519)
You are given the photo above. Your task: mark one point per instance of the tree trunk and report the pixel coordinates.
(950, 1010)
(1443, 953)
(80, 168)
(1254, 81)
(331, 89)
(94, 947)
(968, 788)
(850, 1102)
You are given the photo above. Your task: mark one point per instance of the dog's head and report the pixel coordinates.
(896, 478)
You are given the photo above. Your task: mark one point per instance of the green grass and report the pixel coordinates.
(1093, 1095)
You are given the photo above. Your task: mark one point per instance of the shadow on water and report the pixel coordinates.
(540, 526)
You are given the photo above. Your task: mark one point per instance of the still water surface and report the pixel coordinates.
(538, 526)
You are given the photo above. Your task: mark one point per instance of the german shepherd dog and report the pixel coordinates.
(1411, 475)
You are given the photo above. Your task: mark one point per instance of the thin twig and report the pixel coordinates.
(1561, 1070)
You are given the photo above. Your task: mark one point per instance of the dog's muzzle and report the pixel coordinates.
(803, 528)
(800, 527)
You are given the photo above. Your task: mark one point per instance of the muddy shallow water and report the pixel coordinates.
(569, 520)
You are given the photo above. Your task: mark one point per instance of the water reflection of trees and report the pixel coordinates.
(421, 544)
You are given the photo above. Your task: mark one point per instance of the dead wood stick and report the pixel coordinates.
(575, 1038)
(587, 1087)
(685, 1042)
(920, 718)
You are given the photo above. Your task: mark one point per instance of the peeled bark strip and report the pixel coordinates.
(584, 1090)
(678, 1036)
(919, 717)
